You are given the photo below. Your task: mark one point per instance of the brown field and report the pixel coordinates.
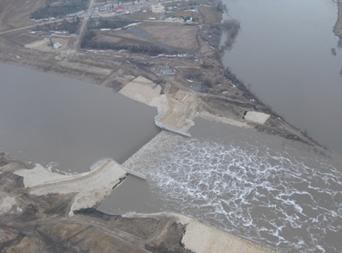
(16, 13)
(210, 15)
(107, 38)
(21, 39)
(118, 36)
(173, 34)
(124, 35)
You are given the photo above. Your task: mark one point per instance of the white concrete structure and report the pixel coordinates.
(200, 238)
(89, 188)
(175, 111)
(56, 45)
(142, 90)
(257, 117)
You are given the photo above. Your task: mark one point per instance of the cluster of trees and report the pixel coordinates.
(213, 33)
(200, 82)
(236, 81)
(59, 8)
(221, 7)
(194, 75)
(231, 29)
(88, 38)
(233, 78)
(69, 26)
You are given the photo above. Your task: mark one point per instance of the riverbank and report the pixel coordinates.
(171, 61)
(257, 186)
(69, 124)
(35, 203)
(304, 91)
(196, 68)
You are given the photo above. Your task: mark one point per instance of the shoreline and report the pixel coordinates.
(338, 25)
(258, 104)
(212, 57)
(225, 101)
(277, 124)
(61, 210)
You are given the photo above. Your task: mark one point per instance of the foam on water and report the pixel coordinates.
(269, 197)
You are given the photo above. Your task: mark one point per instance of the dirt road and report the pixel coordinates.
(84, 23)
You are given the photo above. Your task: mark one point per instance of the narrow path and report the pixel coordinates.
(32, 26)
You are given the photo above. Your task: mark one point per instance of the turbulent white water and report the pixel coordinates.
(253, 191)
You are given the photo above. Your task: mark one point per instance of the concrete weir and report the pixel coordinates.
(178, 110)
(175, 112)
(89, 188)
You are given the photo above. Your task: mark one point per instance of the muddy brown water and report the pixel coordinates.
(50, 119)
(284, 54)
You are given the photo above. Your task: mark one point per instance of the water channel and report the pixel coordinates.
(54, 120)
(262, 187)
(287, 54)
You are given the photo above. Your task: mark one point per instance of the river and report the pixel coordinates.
(68, 123)
(264, 188)
(287, 54)
(261, 187)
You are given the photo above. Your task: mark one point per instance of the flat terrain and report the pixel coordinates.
(17, 13)
(174, 35)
